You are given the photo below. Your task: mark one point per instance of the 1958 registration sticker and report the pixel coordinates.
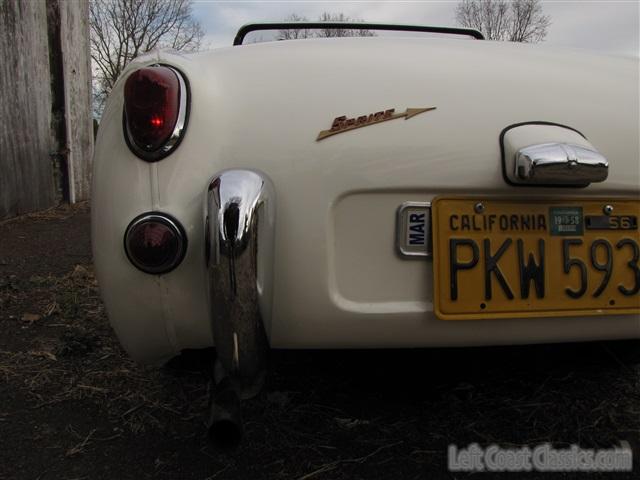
(504, 258)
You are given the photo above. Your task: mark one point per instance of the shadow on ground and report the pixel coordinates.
(73, 406)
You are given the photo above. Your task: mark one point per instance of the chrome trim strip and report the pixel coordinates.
(401, 245)
(240, 230)
(182, 114)
(560, 163)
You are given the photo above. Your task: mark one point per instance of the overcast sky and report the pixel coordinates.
(608, 26)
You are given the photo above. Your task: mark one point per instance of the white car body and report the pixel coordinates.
(338, 281)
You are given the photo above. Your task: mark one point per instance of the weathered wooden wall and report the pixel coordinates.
(46, 134)
(74, 27)
(26, 172)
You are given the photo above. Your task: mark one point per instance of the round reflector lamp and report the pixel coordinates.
(155, 243)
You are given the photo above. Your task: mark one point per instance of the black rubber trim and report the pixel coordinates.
(157, 155)
(255, 27)
(181, 232)
(504, 162)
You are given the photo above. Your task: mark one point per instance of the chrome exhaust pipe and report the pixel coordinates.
(225, 420)
(240, 229)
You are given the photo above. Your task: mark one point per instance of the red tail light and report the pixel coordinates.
(155, 108)
(155, 243)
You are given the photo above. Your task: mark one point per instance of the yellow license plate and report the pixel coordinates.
(498, 258)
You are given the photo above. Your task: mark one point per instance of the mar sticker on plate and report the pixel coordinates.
(414, 229)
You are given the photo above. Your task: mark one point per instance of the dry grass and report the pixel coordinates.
(75, 406)
(74, 356)
(57, 212)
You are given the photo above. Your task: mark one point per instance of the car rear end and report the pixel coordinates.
(341, 270)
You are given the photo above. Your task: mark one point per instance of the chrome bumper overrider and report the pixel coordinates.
(240, 224)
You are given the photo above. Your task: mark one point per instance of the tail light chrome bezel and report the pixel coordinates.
(184, 107)
(173, 225)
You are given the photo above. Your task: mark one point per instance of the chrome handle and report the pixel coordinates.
(560, 164)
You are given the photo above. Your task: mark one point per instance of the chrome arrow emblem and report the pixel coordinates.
(344, 124)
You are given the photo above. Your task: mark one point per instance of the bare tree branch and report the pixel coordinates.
(124, 29)
(293, 34)
(512, 20)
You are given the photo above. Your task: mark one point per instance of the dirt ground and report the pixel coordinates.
(73, 406)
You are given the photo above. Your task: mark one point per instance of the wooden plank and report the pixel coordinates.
(26, 172)
(74, 23)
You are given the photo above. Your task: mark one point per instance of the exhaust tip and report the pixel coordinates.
(225, 434)
(225, 421)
